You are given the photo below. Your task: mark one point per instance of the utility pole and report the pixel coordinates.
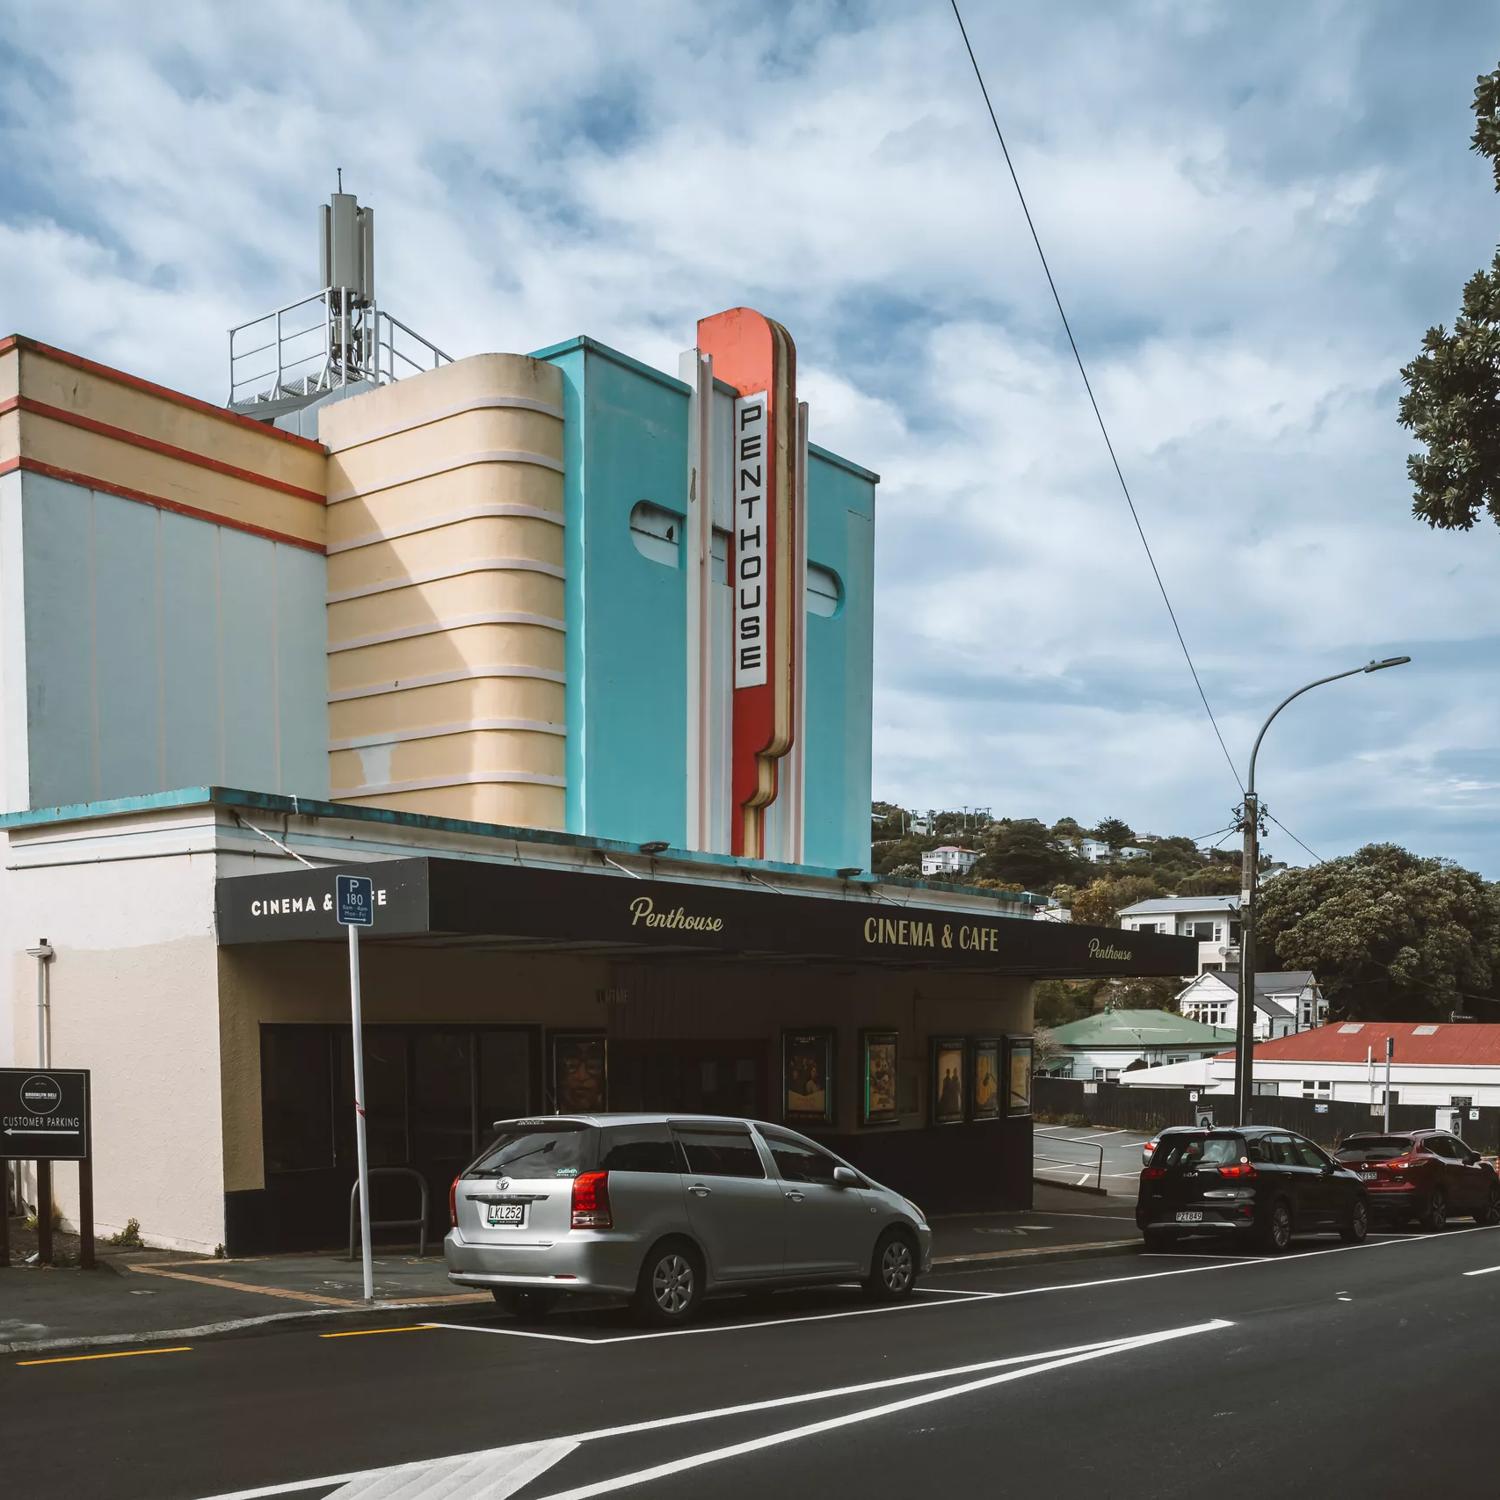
(1244, 1049)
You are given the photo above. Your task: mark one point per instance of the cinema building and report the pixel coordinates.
(572, 656)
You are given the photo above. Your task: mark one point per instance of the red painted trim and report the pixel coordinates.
(136, 383)
(167, 450)
(11, 403)
(9, 342)
(69, 476)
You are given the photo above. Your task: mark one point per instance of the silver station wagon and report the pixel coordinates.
(668, 1209)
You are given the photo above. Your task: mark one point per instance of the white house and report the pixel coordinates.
(1053, 911)
(1093, 850)
(1134, 851)
(1432, 1064)
(1213, 920)
(1285, 1001)
(949, 859)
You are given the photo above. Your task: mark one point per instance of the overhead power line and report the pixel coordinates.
(1098, 415)
(1292, 836)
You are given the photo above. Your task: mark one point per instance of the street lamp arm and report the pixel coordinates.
(1352, 672)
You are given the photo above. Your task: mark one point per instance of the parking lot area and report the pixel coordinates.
(1083, 1156)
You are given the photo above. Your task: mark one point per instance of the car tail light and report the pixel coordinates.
(453, 1203)
(591, 1201)
(1152, 1174)
(1399, 1164)
(1239, 1169)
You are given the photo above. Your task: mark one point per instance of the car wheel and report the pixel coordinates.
(893, 1267)
(1358, 1224)
(670, 1287)
(1276, 1230)
(1490, 1213)
(1435, 1215)
(523, 1303)
(1159, 1239)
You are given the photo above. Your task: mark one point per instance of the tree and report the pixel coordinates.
(1114, 832)
(1023, 852)
(1390, 936)
(1045, 1052)
(1100, 903)
(1452, 398)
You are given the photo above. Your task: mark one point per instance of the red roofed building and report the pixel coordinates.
(1433, 1063)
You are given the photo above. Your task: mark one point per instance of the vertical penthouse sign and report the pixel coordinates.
(758, 359)
(751, 580)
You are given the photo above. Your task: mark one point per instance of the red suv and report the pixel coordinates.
(1422, 1175)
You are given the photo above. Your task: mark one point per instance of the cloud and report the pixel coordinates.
(1251, 226)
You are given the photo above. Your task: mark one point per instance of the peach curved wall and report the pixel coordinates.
(445, 593)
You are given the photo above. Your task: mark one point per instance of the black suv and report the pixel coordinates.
(1259, 1182)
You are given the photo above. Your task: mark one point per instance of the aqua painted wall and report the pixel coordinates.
(840, 666)
(162, 651)
(626, 440)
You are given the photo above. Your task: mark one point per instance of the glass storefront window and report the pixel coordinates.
(442, 1095)
(297, 1098)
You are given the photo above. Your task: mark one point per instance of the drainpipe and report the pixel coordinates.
(43, 953)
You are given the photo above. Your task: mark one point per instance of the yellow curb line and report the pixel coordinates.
(73, 1359)
(364, 1333)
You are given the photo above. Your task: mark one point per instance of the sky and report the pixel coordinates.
(1252, 213)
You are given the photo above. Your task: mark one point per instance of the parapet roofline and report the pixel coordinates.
(672, 383)
(234, 798)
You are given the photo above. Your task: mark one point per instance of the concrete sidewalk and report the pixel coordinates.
(141, 1296)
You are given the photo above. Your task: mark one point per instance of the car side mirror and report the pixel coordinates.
(845, 1177)
(1329, 1168)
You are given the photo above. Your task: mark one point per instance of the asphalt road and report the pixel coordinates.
(1366, 1370)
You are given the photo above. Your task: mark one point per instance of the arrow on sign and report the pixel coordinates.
(9, 1131)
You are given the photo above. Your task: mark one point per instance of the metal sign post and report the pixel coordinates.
(356, 905)
(1390, 1052)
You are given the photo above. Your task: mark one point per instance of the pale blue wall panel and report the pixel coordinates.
(840, 647)
(57, 526)
(247, 655)
(302, 670)
(126, 647)
(190, 652)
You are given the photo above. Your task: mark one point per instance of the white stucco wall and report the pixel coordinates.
(134, 998)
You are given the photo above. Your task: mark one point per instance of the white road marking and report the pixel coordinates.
(678, 1333)
(682, 1419)
(1485, 1271)
(870, 1414)
(491, 1475)
(1232, 1265)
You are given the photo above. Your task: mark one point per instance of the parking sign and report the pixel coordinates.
(355, 899)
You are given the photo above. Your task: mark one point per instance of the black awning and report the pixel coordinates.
(457, 899)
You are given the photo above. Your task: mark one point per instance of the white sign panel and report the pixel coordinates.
(751, 529)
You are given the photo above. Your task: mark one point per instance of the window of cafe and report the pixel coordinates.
(432, 1092)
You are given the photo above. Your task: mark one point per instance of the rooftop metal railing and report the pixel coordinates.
(320, 343)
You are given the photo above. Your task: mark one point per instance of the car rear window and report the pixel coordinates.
(1179, 1151)
(1374, 1148)
(538, 1148)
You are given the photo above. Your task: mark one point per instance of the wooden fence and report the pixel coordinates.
(1112, 1105)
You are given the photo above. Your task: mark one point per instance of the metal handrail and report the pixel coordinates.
(359, 344)
(1062, 1161)
(419, 1224)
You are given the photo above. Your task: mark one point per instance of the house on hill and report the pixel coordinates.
(1286, 1001)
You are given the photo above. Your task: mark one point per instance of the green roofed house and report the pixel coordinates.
(1121, 1041)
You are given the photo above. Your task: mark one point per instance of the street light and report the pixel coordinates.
(1244, 1046)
